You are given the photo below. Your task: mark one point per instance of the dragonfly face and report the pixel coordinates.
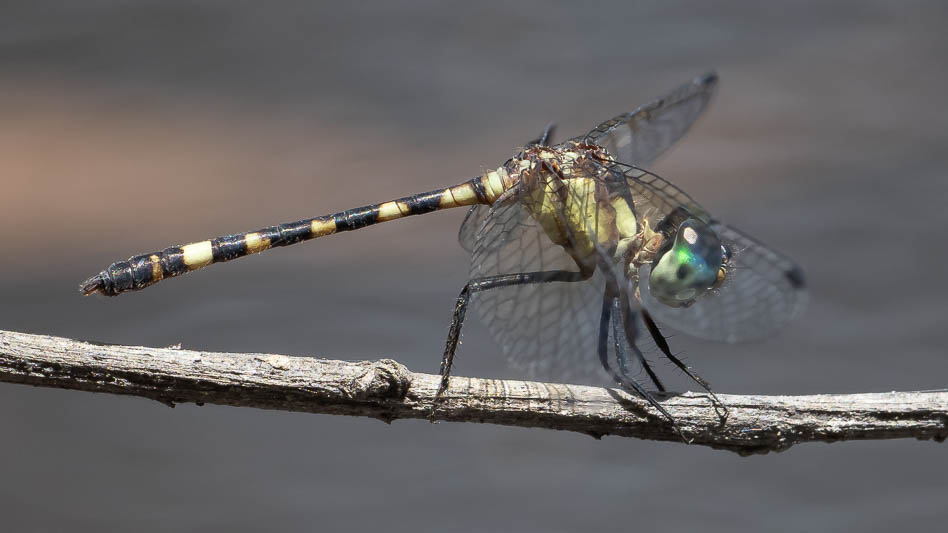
(688, 266)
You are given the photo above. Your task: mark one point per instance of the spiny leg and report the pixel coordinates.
(663, 346)
(627, 383)
(621, 358)
(631, 333)
(483, 284)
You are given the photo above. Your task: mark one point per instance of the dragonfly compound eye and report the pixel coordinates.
(689, 267)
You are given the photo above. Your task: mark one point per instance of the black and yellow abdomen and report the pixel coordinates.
(141, 271)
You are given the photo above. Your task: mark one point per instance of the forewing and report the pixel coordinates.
(655, 198)
(640, 137)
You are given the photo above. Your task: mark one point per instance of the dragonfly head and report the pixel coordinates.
(688, 265)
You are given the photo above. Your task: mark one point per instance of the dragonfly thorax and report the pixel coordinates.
(566, 190)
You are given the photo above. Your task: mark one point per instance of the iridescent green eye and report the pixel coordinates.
(687, 267)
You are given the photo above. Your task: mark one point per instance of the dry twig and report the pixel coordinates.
(387, 390)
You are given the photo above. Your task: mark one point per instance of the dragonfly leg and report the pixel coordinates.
(483, 284)
(626, 382)
(545, 138)
(631, 333)
(663, 346)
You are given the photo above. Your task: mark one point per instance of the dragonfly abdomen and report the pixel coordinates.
(144, 270)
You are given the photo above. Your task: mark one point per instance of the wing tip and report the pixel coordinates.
(709, 79)
(796, 278)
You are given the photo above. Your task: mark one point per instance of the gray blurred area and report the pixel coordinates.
(130, 126)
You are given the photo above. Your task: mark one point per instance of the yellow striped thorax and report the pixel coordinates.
(564, 191)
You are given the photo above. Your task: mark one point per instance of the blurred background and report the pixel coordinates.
(131, 126)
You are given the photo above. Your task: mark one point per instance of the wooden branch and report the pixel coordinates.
(387, 390)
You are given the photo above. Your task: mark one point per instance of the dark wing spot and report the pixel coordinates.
(708, 78)
(796, 278)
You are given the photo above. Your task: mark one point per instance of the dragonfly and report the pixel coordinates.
(578, 254)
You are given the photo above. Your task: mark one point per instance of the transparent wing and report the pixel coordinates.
(473, 222)
(548, 331)
(640, 137)
(655, 198)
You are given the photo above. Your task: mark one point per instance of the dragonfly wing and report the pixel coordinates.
(549, 331)
(473, 222)
(640, 137)
(655, 198)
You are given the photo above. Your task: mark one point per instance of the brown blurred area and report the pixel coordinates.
(89, 172)
(127, 127)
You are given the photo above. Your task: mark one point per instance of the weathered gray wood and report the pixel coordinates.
(387, 390)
